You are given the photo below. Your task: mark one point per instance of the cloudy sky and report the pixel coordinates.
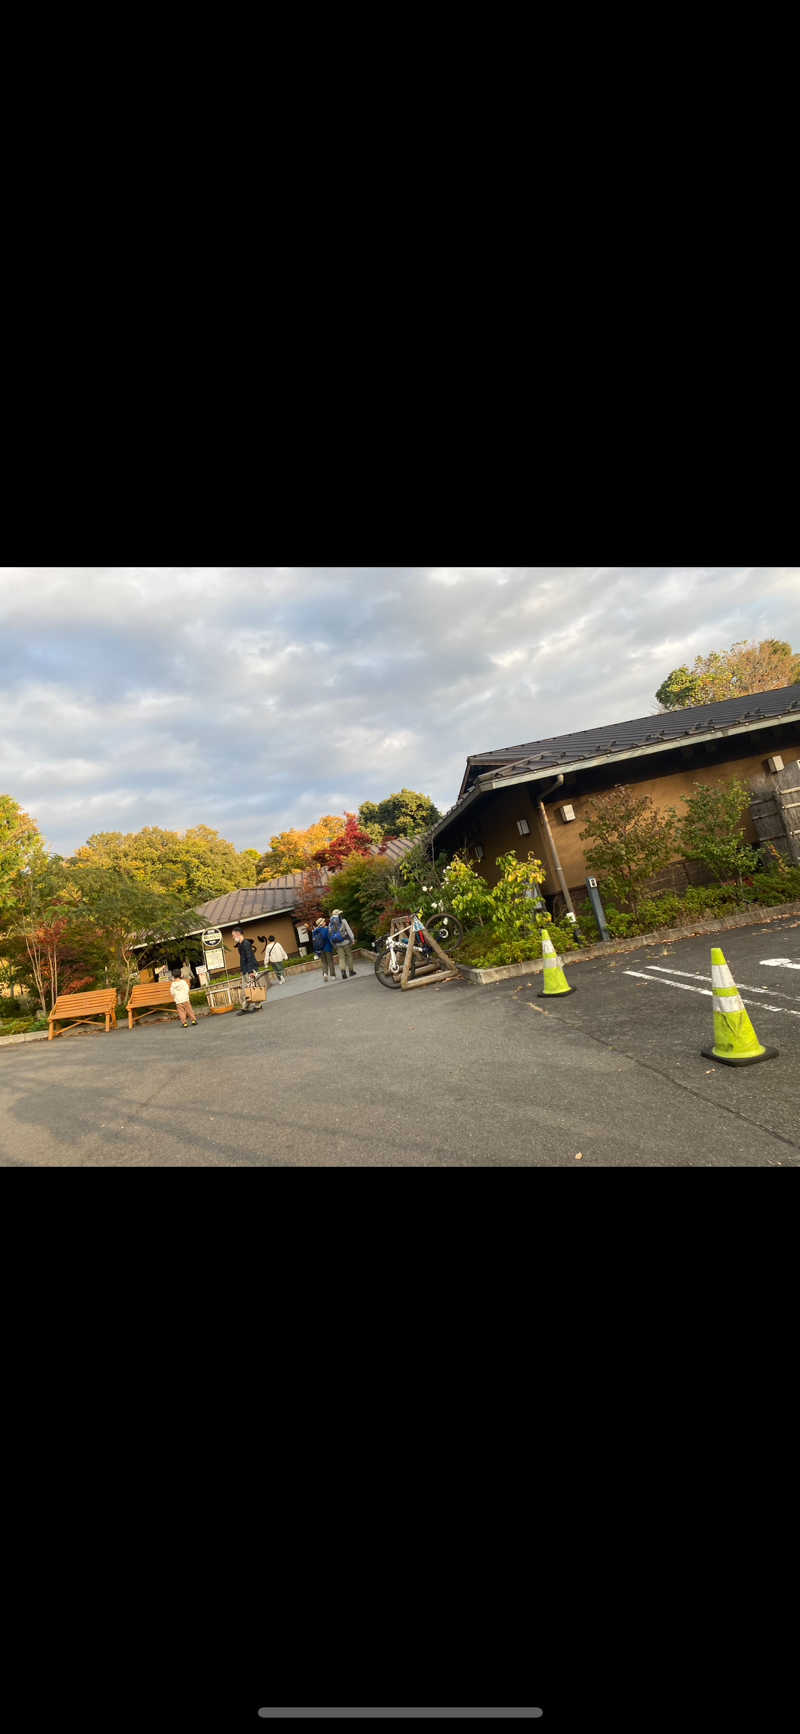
(254, 698)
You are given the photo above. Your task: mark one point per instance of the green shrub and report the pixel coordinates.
(482, 950)
(16, 1006)
(712, 829)
(776, 887)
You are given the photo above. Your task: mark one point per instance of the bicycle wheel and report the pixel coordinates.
(445, 929)
(387, 976)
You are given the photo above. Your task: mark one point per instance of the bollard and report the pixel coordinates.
(597, 908)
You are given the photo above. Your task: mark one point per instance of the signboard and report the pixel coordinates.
(302, 933)
(215, 959)
(212, 936)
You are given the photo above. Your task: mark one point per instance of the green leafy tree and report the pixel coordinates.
(362, 889)
(745, 668)
(512, 901)
(630, 842)
(248, 868)
(711, 830)
(195, 865)
(465, 893)
(42, 941)
(119, 912)
(406, 814)
(21, 843)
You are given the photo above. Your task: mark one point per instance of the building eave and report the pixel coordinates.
(491, 781)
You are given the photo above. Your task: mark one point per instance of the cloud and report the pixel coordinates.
(255, 698)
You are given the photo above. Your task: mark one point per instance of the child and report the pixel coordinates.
(180, 993)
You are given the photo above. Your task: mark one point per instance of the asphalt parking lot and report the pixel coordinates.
(446, 1076)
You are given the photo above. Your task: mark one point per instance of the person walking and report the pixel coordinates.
(183, 1005)
(323, 949)
(275, 957)
(249, 969)
(342, 938)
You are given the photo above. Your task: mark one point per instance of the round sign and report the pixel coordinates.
(212, 936)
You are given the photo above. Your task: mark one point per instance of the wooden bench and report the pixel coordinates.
(155, 994)
(83, 1008)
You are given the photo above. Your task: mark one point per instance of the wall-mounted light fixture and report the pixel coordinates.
(478, 851)
(523, 827)
(775, 764)
(567, 813)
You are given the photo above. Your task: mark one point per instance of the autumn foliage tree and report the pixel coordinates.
(291, 851)
(352, 840)
(745, 668)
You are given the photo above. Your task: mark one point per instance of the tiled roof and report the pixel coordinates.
(396, 848)
(643, 730)
(617, 739)
(256, 900)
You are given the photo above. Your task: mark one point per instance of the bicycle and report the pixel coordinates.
(446, 929)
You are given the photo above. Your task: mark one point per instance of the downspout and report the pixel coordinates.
(551, 843)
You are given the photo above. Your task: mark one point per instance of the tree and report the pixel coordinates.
(120, 912)
(406, 814)
(362, 890)
(291, 851)
(21, 843)
(42, 940)
(194, 865)
(248, 868)
(630, 843)
(310, 897)
(711, 830)
(351, 841)
(745, 668)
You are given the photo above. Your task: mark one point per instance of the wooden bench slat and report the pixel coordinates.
(73, 1005)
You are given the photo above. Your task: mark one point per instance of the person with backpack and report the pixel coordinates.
(249, 969)
(342, 939)
(323, 949)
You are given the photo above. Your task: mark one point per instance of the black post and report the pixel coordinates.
(597, 908)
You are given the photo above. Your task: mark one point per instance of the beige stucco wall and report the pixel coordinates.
(493, 820)
(279, 925)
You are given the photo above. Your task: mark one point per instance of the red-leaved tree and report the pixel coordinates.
(351, 841)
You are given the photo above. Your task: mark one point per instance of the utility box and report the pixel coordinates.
(775, 764)
(567, 813)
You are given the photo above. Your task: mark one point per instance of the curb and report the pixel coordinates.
(32, 1036)
(725, 924)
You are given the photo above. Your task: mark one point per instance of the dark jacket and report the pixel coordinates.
(247, 956)
(321, 940)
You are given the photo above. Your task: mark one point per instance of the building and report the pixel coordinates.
(258, 910)
(533, 797)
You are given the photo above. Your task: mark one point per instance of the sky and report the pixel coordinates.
(256, 698)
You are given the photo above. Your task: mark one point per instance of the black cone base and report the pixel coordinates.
(561, 995)
(745, 1060)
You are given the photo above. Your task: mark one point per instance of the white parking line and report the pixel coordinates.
(662, 969)
(762, 1004)
(778, 963)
